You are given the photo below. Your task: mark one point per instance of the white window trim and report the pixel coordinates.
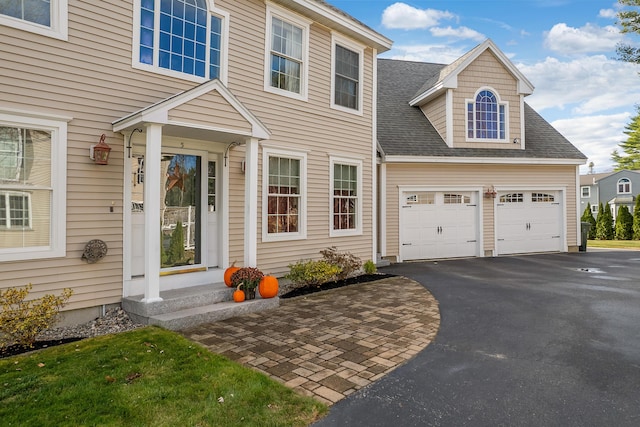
(359, 49)
(59, 28)
(627, 181)
(224, 46)
(351, 162)
(298, 21)
(506, 117)
(588, 192)
(302, 214)
(594, 209)
(57, 125)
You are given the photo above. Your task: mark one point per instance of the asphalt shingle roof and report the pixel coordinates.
(405, 131)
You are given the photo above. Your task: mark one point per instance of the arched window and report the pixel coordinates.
(182, 36)
(624, 186)
(486, 117)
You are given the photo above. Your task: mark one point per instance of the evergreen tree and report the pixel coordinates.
(631, 147)
(624, 224)
(587, 216)
(604, 223)
(629, 21)
(636, 219)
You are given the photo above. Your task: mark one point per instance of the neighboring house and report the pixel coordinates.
(589, 191)
(244, 127)
(615, 188)
(466, 167)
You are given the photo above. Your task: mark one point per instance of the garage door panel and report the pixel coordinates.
(529, 221)
(431, 228)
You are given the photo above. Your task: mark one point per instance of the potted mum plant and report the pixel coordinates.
(247, 279)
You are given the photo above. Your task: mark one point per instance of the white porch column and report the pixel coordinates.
(251, 203)
(152, 213)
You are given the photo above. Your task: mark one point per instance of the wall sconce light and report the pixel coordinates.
(516, 140)
(490, 193)
(99, 153)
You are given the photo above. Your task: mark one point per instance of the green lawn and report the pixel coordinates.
(145, 377)
(614, 244)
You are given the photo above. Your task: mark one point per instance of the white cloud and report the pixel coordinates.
(435, 53)
(588, 39)
(459, 33)
(405, 17)
(596, 136)
(586, 85)
(607, 13)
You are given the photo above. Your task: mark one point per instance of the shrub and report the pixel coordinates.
(312, 273)
(624, 224)
(636, 219)
(604, 223)
(21, 321)
(369, 267)
(348, 263)
(587, 216)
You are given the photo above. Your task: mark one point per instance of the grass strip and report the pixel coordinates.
(149, 376)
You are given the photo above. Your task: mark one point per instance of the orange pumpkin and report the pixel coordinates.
(268, 287)
(238, 295)
(228, 272)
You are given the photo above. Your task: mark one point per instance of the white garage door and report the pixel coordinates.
(438, 225)
(528, 221)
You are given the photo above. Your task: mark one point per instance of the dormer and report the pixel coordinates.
(477, 101)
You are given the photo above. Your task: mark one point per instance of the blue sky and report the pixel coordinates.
(566, 48)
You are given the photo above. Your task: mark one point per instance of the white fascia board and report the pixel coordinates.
(380, 42)
(482, 160)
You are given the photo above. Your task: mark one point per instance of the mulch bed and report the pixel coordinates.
(363, 278)
(15, 349)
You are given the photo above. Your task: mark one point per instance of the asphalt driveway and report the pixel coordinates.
(539, 340)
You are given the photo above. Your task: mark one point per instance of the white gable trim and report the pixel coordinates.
(159, 112)
(450, 81)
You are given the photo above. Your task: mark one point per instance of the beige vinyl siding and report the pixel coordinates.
(436, 112)
(209, 110)
(486, 70)
(349, 135)
(503, 176)
(90, 78)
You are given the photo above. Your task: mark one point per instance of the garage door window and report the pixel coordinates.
(451, 199)
(542, 197)
(512, 198)
(421, 198)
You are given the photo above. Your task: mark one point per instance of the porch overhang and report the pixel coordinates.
(209, 127)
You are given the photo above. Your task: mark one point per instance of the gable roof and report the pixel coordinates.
(448, 76)
(403, 130)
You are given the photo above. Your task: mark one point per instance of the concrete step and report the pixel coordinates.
(195, 316)
(187, 307)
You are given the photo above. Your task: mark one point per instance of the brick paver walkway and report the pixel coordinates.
(331, 343)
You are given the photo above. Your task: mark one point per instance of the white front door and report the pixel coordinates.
(438, 224)
(528, 221)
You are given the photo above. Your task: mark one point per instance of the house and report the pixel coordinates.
(239, 131)
(466, 167)
(616, 188)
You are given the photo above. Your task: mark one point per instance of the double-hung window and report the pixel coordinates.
(346, 197)
(286, 68)
(181, 38)
(46, 17)
(32, 187)
(285, 195)
(347, 75)
(486, 117)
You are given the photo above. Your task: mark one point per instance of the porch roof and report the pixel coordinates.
(209, 124)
